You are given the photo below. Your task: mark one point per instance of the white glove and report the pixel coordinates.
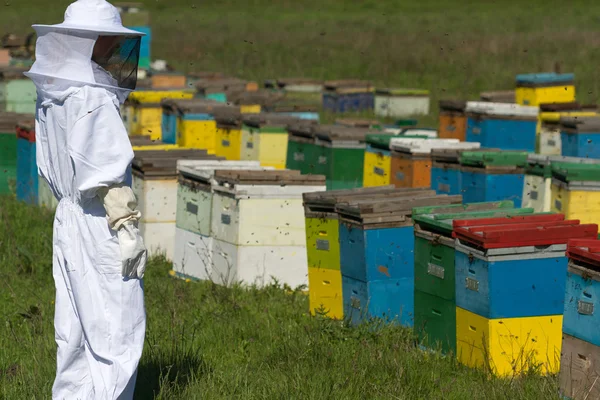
(133, 251)
(120, 205)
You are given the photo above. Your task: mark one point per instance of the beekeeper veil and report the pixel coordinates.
(91, 47)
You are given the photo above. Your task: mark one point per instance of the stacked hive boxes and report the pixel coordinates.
(536, 89)
(376, 253)
(579, 137)
(27, 172)
(492, 176)
(265, 139)
(258, 229)
(193, 235)
(435, 299)
(453, 120)
(342, 154)
(302, 152)
(323, 247)
(506, 325)
(155, 186)
(537, 188)
(446, 171)
(17, 92)
(399, 103)
(501, 125)
(580, 361)
(196, 125)
(411, 159)
(229, 134)
(145, 110)
(576, 190)
(378, 155)
(8, 150)
(549, 136)
(348, 96)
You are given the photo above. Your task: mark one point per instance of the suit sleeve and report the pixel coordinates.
(99, 148)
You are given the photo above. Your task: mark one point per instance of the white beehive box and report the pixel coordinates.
(398, 103)
(501, 109)
(259, 265)
(192, 256)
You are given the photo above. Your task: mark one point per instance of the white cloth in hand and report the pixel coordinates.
(133, 251)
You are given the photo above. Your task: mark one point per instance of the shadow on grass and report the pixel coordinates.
(163, 374)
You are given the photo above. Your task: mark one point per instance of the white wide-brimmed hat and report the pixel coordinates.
(98, 16)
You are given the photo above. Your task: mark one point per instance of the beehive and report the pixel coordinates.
(27, 172)
(492, 176)
(398, 103)
(155, 187)
(435, 302)
(549, 138)
(302, 151)
(501, 125)
(411, 159)
(579, 137)
(302, 89)
(342, 154)
(537, 191)
(453, 120)
(576, 191)
(257, 225)
(323, 247)
(265, 139)
(512, 325)
(146, 110)
(193, 244)
(8, 150)
(196, 123)
(536, 89)
(348, 96)
(580, 359)
(18, 93)
(229, 135)
(376, 253)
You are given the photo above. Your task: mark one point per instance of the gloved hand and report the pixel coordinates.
(133, 251)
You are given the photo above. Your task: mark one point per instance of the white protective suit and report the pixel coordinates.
(84, 153)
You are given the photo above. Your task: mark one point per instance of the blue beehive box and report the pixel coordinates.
(169, 121)
(511, 282)
(582, 300)
(376, 238)
(492, 176)
(446, 179)
(580, 137)
(27, 176)
(391, 300)
(501, 125)
(348, 96)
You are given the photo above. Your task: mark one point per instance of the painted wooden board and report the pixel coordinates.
(579, 369)
(192, 256)
(159, 238)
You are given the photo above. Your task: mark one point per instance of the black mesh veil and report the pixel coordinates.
(119, 57)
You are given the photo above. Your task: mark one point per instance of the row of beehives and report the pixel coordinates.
(451, 276)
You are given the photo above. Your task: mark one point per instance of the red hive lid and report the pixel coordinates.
(585, 250)
(521, 230)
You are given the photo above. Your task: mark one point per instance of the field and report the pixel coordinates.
(209, 342)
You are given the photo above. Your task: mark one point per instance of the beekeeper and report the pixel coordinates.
(84, 69)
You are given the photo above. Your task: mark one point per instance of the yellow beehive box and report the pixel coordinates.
(229, 136)
(536, 89)
(509, 346)
(325, 292)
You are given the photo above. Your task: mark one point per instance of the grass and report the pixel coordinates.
(204, 341)
(455, 49)
(209, 342)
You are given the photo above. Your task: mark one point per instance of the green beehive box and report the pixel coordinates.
(342, 153)
(302, 150)
(571, 172)
(494, 159)
(435, 303)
